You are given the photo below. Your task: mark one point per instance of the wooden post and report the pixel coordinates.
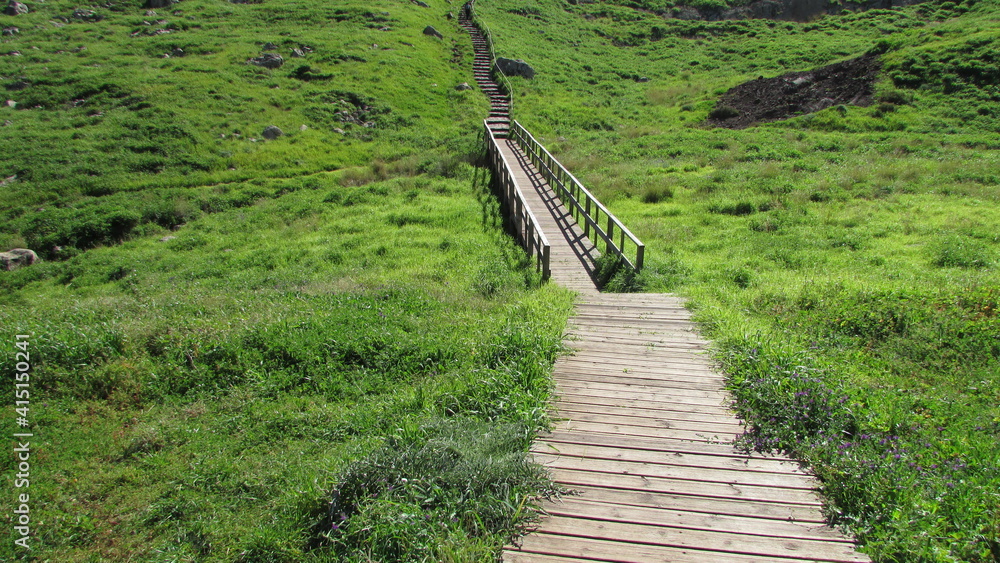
(611, 233)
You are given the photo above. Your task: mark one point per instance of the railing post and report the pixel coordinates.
(611, 232)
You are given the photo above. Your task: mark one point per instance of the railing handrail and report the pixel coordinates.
(488, 35)
(535, 150)
(532, 235)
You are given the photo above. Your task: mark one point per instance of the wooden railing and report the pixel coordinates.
(522, 220)
(498, 75)
(586, 208)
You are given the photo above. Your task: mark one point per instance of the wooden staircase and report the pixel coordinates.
(499, 117)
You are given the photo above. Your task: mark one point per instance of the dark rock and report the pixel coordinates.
(429, 30)
(15, 8)
(298, 53)
(178, 52)
(268, 60)
(463, 86)
(770, 99)
(16, 258)
(87, 15)
(643, 79)
(512, 67)
(269, 46)
(271, 133)
(8, 31)
(421, 4)
(154, 4)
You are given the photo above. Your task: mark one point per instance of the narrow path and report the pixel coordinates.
(482, 68)
(644, 432)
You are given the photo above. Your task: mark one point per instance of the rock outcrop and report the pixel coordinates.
(268, 60)
(512, 67)
(272, 132)
(15, 8)
(16, 258)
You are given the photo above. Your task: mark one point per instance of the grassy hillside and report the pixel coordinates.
(846, 262)
(263, 350)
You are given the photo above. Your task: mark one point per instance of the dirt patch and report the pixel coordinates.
(797, 93)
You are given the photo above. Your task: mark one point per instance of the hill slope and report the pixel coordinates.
(846, 260)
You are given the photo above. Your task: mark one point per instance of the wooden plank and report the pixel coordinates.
(649, 393)
(620, 381)
(652, 444)
(674, 382)
(643, 432)
(625, 399)
(645, 420)
(802, 514)
(662, 485)
(729, 477)
(578, 507)
(724, 544)
(582, 406)
(645, 366)
(639, 426)
(645, 351)
(683, 459)
(639, 377)
(584, 549)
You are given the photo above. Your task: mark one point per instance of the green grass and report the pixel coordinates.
(337, 308)
(845, 262)
(225, 331)
(199, 397)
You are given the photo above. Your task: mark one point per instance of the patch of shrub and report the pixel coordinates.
(448, 477)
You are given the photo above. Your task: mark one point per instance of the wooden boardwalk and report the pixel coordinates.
(644, 434)
(644, 431)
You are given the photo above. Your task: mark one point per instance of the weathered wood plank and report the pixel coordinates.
(584, 396)
(579, 507)
(663, 485)
(584, 549)
(681, 459)
(802, 514)
(724, 544)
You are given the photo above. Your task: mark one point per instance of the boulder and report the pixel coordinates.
(87, 15)
(429, 30)
(269, 46)
(271, 132)
(178, 52)
(463, 86)
(17, 257)
(8, 31)
(268, 60)
(512, 67)
(15, 8)
(421, 4)
(298, 53)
